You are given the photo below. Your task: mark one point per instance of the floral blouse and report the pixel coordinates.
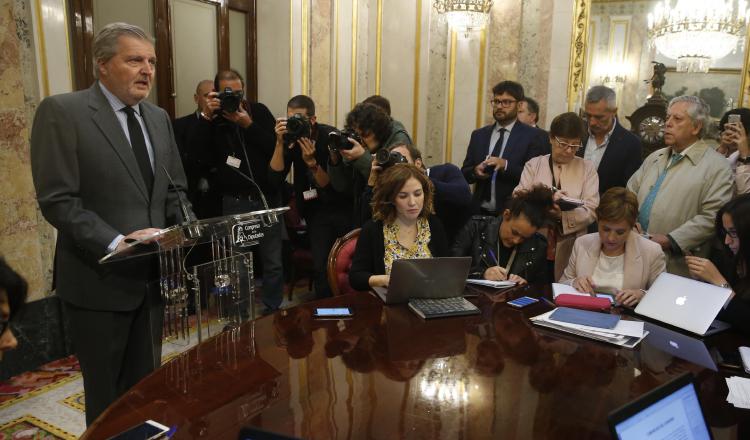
(395, 250)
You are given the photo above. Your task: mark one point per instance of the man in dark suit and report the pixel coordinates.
(192, 133)
(98, 160)
(497, 153)
(615, 151)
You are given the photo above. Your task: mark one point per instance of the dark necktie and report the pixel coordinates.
(138, 142)
(499, 144)
(495, 153)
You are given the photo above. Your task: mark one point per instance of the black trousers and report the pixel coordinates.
(324, 226)
(115, 349)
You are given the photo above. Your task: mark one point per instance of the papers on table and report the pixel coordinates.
(558, 289)
(495, 284)
(739, 391)
(625, 334)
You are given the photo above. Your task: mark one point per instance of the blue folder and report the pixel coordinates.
(585, 317)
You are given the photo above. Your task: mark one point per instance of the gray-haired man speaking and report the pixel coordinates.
(98, 158)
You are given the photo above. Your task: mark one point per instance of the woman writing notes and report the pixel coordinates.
(402, 226)
(576, 186)
(733, 229)
(616, 259)
(509, 246)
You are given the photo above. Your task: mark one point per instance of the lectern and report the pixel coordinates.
(225, 280)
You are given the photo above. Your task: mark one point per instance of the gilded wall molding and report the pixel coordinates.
(745, 84)
(578, 40)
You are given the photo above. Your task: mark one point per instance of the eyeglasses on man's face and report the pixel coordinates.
(502, 102)
(567, 146)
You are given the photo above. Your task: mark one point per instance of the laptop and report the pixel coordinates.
(679, 345)
(669, 412)
(685, 303)
(443, 277)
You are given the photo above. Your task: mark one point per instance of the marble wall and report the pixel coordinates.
(439, 82)
(26, 241)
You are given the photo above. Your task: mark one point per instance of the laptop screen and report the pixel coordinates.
(677, 415)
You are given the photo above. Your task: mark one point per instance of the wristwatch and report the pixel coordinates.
(743, 160)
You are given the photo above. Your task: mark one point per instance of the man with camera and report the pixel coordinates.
(452, 194)
(242, 143)
(369, 129)
(302, 141)
(191, 133)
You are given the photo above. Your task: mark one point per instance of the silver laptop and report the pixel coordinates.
(679, 345)
(685, 303)
(443, 277)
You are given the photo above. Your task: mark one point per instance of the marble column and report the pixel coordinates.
(26, 240)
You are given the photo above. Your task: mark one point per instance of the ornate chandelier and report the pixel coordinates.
(696, 32)
(464, 15)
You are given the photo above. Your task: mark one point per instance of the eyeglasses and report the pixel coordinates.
(4, 324)
(732, 233)
(567, 146)
(502, 103)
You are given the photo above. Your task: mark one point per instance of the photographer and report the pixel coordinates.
(350, 167)
(242, 143)
(452, 194)
(302, 141)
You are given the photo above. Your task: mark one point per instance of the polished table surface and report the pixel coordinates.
(388, 374)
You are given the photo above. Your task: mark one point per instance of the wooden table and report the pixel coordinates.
(388, 374)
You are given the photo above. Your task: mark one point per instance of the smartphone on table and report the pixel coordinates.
(333, 312)
(522, 302)
(148, 430)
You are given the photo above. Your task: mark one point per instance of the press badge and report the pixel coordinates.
(233, 162)
(310, 194)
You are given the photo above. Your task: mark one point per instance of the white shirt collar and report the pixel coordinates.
(607, 136)
(508, 127)
(115, 102)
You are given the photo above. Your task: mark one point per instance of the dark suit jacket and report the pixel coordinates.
(369, 255)
(621, 158)
(524, 143)
(90, 188)
(193, 136)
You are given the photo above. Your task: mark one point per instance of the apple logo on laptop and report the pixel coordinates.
(674, 344)
(680, 301)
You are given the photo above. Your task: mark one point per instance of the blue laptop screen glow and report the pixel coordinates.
(677, 416)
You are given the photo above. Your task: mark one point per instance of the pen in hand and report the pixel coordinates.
(494, 258)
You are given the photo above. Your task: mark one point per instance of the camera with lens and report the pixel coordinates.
(297, 126)
(230, 100)
(385, 158)
(339, 140)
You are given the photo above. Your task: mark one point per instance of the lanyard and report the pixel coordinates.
(557, 184)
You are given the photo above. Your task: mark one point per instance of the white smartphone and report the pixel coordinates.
(734, 119)
(148, 430)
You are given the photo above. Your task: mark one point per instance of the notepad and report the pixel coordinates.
(585, 317)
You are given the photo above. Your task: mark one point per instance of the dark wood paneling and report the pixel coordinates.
(82, 36)
(82, 32)
(165, 65)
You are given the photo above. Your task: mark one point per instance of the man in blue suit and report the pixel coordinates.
(615, 151)
(498, 152)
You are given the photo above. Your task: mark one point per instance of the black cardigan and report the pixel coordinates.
(369, 256)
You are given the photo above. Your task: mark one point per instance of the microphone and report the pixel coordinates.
(271, 216)
(187, 214)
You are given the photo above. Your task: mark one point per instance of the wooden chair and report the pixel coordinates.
(339, 262)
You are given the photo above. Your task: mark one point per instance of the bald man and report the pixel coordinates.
(191, 133)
